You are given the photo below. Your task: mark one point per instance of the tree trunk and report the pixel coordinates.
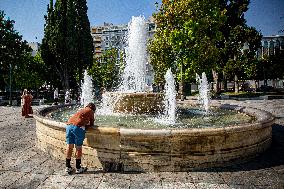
(181, 84)
(64, 76)
(65, 82)
(215, 79)
(256, 84)
(189, 90)
(236, 84)
(181, 91)
(225, 82)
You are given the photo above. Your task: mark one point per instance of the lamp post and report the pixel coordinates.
(10, 97)
(181, 84)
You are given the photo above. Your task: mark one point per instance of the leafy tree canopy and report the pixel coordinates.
(105, 69)
(195, 36)
(13, 50)
(67, 46)
(186, 37)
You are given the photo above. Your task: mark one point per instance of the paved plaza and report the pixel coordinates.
(22, 165)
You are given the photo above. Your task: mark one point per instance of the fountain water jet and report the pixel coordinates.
(87, 88)
(133, 78)
(203, 87)
(169, 117)
(131, 95)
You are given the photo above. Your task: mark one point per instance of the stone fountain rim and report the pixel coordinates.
(263, 119)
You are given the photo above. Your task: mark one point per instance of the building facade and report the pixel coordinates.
(271, 45)
(35, 47)
(109, 36)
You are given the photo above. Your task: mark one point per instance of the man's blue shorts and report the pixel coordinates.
(75, 135)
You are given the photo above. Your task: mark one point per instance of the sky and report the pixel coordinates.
(28, 15)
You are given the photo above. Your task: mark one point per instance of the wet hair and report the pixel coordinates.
(92, 106)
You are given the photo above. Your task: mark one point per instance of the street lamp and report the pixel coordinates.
(181, 83)
(10, 98)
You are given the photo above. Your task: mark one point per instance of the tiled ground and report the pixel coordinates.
(22, 165)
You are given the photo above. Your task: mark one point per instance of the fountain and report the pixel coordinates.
(87, 94)
(169, 117)
(203, 88)
(131, 96)
(133, 77)
(128, 138)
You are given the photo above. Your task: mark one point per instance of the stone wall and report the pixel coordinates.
(162, 150)
(140, 102)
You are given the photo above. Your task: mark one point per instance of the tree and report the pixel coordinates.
(84, 39)
(270, 67)
(31, 74)
(187, 33)
(13, 50)
(196, 36)
(67, 40)
(236, 34)
(105, 69)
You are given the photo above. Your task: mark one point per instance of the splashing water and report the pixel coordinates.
(203, 87)
(134, 74)
(133, 77)
(169, 117)
(108, 104)
(87, 90)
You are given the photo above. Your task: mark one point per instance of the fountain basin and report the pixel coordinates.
(138, 102)
(154, 150)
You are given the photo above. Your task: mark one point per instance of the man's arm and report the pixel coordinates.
(92, 119)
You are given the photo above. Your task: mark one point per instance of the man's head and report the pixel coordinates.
(92, 106)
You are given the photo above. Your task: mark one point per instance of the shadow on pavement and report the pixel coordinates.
(273, 157)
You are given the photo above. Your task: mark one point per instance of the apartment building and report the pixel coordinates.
(108, 36)
(35, 47)
(271, 45)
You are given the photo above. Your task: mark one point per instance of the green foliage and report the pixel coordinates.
(67, 46)
(84, 39)
(270, 67)
(186, 37)
(234, 59)
(196, 36)
(31, 74)
(105, 69)
(13, 51)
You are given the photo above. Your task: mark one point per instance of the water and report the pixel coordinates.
(204, 92)
(133, 78)
(173, 116)
(107, 105)
(134, 75)
(169, 117)
(67, 97)
(133, 81)
(188, 117)
(87, 88)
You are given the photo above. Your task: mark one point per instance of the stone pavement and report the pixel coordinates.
(22, 165)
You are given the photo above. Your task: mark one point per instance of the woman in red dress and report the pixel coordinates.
(27, 103)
